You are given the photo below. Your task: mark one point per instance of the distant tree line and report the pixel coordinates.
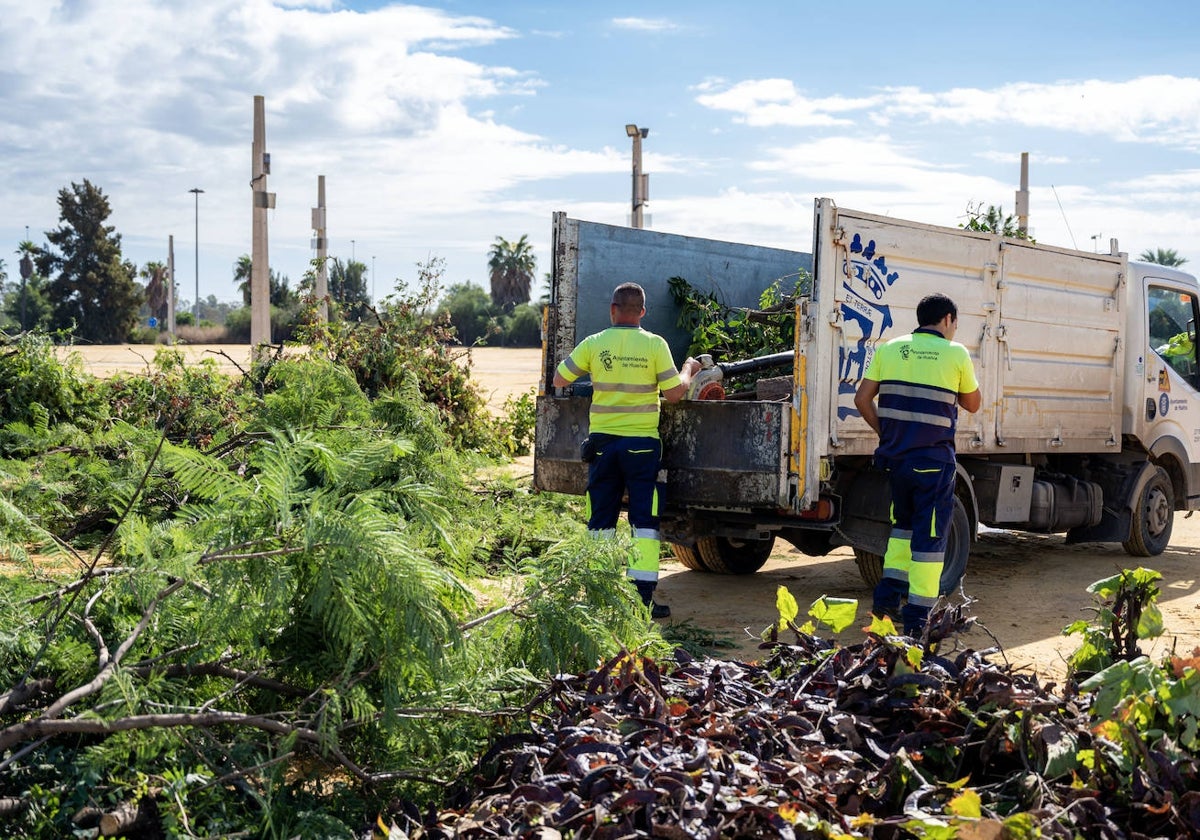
(79, 286)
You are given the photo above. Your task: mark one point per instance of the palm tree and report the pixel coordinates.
(512, 266)
(241, 275)
(277, 284)
(155, 275)
(1162, 256)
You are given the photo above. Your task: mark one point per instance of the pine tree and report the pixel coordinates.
(92, 288)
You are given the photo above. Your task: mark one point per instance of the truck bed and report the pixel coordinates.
(1043, 326)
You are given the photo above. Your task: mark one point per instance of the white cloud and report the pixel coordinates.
(1007, 157)
(766, 102)
(1159, 109)
(639, 24)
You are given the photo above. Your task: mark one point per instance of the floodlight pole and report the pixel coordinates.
(641, 183)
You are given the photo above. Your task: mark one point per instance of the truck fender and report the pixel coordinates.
(1169, 453)
(965, 490)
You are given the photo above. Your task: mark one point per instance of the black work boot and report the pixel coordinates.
(887, 612)
(915, 619)
(646, 590)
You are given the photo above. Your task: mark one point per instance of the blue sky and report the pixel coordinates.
(439, 126)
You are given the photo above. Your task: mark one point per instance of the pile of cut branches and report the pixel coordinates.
(882, 739)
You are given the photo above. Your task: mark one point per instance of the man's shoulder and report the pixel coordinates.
(893, 345)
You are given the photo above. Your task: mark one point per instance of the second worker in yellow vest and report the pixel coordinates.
(629, 367)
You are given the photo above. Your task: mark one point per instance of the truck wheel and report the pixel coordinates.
(727, 556)
(954, 565)
(1153, 517)
(687, 557)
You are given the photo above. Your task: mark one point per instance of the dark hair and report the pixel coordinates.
(629, 297)
(934, 308)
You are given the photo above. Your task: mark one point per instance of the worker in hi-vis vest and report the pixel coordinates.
(629, 367)
(921, 380)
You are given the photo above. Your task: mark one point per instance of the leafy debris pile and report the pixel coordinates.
(884, 739)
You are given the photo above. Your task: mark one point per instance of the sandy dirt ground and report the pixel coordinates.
(111, 359)
(1025, 587)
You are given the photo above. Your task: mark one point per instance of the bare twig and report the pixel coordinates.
(232, 360)
(79, 583)
(508, 608)
(21, 753)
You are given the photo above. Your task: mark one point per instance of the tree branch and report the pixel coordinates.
(105, 674)
(216, 669)
(16, 697)
(83, 581)
(43, 727)
(496, 613)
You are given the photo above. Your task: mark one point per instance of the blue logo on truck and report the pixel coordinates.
(866, 280)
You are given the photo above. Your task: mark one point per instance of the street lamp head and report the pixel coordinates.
(631, 130)
(196, 190)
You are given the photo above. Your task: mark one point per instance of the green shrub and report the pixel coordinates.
(237, 325)
(404, 342)
(36, 387)
(469, 310)
(524, 327)
(192, 402)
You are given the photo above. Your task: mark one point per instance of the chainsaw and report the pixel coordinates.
(706, 384)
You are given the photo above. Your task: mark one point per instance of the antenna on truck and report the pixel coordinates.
(1064, 215)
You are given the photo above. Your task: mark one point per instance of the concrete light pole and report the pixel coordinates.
(322, 244)
(1022, 204)
(641, 183)
(26, 272)
(261, 202)
(196, 304)
(171, 293)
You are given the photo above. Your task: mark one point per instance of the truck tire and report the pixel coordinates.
(1153, 517)
(954, 565)
(727, 556)
(687, 557)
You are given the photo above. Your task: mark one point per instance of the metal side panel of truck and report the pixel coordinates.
(1044, 327)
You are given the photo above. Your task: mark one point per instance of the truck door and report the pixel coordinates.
(1171, 398)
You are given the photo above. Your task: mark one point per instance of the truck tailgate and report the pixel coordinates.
(725, 455)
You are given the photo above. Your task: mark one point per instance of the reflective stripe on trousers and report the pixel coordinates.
(627, 465)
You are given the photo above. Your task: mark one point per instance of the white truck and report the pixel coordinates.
(1087, 363)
